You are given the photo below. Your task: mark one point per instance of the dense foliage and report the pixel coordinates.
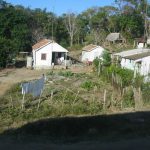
(21, 27)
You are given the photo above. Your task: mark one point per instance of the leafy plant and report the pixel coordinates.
(66, 73)
(88, 85)
(146, 92)
(128, 99)
(106, 59)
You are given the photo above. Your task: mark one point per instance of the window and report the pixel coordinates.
(43, 56)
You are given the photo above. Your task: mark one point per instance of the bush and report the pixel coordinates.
(146, 92)
(128, 99)
(126, 75)
(66, 74)
(106, 59)
(88, 85)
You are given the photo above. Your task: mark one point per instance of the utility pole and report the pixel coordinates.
(52, 24)
(145, 20)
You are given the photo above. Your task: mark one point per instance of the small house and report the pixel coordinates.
(115, 38)
(140, 43)
(137, 60)
(47, 53)
(148, 41)
(91, 52)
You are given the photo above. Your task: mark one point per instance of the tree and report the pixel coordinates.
(6, 51)
(15, 34)
(106, 61)
(70, 21)
(62, 36)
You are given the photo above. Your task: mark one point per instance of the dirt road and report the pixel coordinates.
(8, 77)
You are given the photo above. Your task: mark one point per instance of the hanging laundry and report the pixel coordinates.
(33, 87)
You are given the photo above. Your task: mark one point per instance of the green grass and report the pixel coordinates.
(65, 101)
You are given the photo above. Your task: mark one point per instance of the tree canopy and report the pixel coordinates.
(21, 27)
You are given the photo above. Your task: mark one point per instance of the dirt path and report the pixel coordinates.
(8, 77)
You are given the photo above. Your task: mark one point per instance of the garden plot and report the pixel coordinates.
(65, 93)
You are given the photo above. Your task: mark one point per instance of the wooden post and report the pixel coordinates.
(140, 98)
(66, 61)
(111, 79)
(39, 100)
(51, 95)
(95, 88)
(23, 101)
(11, 102)
(104, 104)
(75, 97)
(112, 100)
(137, 98)
(99, 67)
(64, 98)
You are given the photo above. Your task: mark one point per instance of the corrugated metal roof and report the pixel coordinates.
(113, 37)
(132, 52)
(138, 56)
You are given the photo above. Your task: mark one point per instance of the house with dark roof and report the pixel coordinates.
(114, 37)
(47, 53)
(91, 52)
(137, 60)
(140, 42)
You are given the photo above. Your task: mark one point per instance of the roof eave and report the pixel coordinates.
(42, 46)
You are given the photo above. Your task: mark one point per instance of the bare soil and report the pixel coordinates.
(8, 77)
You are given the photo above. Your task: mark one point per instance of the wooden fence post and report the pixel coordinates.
(112, 100)
(104, 103)
(23, 101)
(137, 98)
(39, 100)
(76, 97)
(52, 95)
(11, 102)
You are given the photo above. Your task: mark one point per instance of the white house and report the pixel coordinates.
(137, 60)
(140, 43)
(145, 65)
(90, 52)
(47, 53)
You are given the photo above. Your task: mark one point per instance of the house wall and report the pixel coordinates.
(90, 56)
(145, 66)
(127, 63)
(38, 63)
(52, 47)
(140, 45)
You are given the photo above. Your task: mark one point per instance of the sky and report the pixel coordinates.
(62, 6)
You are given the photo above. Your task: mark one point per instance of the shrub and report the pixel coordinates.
(50, 73)
(106, 59)
(146, 92)
(88, 85)
(126, 75)
(95, 108)
(128, 99)
(66, 73)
